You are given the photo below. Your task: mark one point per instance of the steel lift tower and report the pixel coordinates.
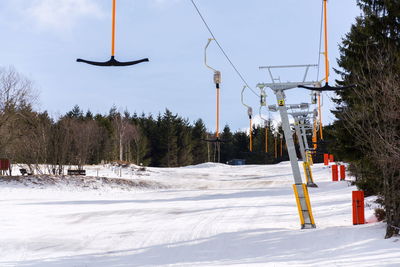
(300, 189)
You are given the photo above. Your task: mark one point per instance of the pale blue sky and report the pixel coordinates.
(43, 38)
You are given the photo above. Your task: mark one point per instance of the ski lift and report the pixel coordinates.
(263, 103)
(217, 80)
(250, 114)
(113, 61)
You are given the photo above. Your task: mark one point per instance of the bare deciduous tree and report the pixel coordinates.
(374, 120)
(16, 96)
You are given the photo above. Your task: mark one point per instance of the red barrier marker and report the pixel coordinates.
(331, 158)
(334, 173)
(358, 207)
(326, 159)
(4, 164)
(342, 172)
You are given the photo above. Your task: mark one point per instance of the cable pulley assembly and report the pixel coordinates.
(113, 61)
(263, 95)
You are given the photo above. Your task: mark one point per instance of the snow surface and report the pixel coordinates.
(205, 215)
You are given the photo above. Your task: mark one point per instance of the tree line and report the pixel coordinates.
(79, 138)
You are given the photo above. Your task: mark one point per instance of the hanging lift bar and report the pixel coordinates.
(250, 114)
(263, 103)
(113, 61)
(217, 80)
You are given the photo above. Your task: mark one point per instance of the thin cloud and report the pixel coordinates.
(61, 14)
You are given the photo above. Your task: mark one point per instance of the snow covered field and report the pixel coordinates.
(206, 215)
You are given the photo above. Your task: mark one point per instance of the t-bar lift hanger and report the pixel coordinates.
(113, 61)
(217, 81)
(250, 114)
(263, 103)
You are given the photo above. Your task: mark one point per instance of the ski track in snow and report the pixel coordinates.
(205, 215)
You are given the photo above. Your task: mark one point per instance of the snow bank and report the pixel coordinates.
(78, 182)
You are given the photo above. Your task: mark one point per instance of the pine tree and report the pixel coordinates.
(227, 148)
(184, 141)
(199, 134)
(169, 143)
(370, 56)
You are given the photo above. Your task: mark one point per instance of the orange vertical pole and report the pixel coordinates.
(217, 119)
(326, 41)
(331, 158)
(326, 64)
(114, 6)
(315, 134)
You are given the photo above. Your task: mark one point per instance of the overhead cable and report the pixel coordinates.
(222, 50)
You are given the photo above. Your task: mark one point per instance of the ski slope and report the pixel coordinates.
(205, 215)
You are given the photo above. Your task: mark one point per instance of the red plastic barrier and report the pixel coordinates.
(342, 172)
(335, 173)
(4, 164)
(326, 159)
(358, 207)
(331, 158)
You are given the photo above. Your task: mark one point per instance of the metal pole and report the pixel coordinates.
(288, 137)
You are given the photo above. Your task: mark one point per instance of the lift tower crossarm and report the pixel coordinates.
(286, 86)
(306, 66)
(288, 66)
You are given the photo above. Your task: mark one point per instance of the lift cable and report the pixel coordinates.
(222, 50)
